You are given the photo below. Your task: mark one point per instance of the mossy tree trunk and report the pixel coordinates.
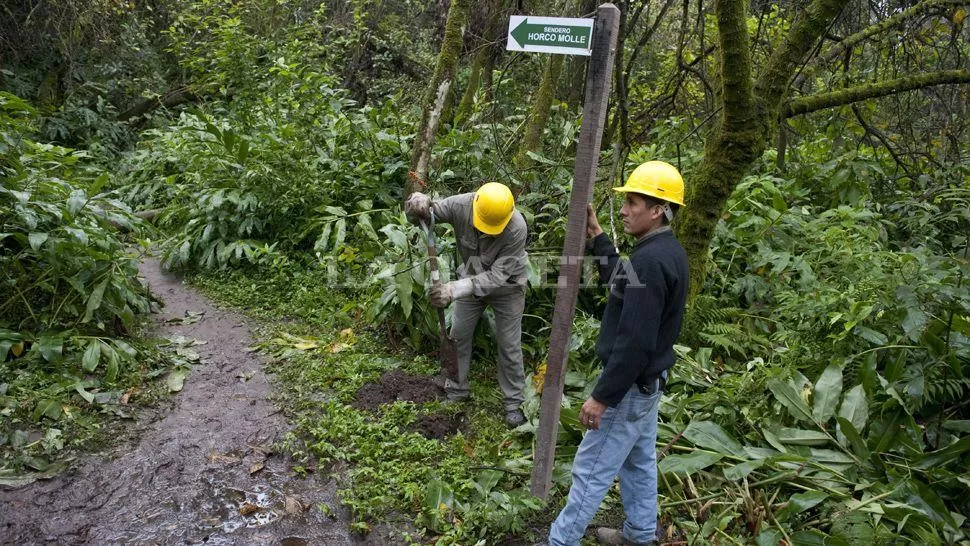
(749, 109)
(434, 98)
(539, 115)
(482, 61)
(573, 85)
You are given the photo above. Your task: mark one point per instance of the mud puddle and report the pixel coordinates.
(201, 472)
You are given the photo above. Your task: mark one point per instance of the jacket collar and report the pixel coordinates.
(653, 234)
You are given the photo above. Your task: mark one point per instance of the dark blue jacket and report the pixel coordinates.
(643, 314)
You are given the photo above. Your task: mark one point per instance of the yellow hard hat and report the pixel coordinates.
(492, 208)
(656, 179)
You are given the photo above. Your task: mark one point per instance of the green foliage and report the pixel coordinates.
(268, 176)
(68, 293)
(800, 291)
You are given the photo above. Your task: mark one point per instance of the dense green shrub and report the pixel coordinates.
(68, 290)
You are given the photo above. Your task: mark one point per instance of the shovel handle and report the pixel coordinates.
(433, 263)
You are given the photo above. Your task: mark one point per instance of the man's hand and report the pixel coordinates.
(444, 294)
(592, 224)
(441, 295)
(591, 413)
(417, 207)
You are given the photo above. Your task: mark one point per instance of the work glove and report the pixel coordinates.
(443, 294)
(417, 207)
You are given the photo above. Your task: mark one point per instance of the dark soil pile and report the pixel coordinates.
(439, 427)
(396, 385)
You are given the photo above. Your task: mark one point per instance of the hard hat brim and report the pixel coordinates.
(626, 189)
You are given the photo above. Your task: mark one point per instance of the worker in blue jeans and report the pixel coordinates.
(641, 322)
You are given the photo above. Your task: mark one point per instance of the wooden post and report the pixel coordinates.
(600, 74)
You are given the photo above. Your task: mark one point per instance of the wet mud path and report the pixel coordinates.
(198, 472)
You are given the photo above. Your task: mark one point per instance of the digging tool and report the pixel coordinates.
(447, 350)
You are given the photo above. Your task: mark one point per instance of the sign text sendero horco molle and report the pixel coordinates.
(561, 35)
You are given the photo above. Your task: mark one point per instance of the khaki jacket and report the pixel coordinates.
(488, 262)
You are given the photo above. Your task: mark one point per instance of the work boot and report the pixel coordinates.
(514, 418)
(606, 535)
(458, 400)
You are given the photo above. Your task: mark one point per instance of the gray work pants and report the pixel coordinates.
(508, 303)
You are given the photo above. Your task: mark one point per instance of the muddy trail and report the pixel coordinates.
(201, 471)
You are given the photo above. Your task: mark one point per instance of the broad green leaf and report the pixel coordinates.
(176, 379)
(740, 471)
(404, 286)
(944, 456)
(99, 183)
(91, 356)
(800, 437)
(243, 151)
(770, 537)
(760, 453)
(397, 238)
(816, 538)
(847, 433)
(76, 201)
(364, 223)
(79, 234)
(921, 497)
(341, 233)
(46, 408)
(688, 464)
(50, 346)
(113, 364)
(94, 300)
(773, 440)
(37, 240)
(854, 408)
(486, 481)
(710, 435)
(914, 323)
(128, 349)
(569, 419)
(183, 252)
(868, 334)
(801, 502)
(437, 494)
(955, 425)
(11, 479)
(828, 389)
(830, 456)
(88, 397)
(787, 395)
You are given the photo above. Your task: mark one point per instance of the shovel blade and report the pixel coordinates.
(448, 354)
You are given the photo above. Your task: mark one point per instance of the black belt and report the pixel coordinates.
(652, 385)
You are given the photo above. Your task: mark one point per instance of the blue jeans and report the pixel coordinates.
(624, 445)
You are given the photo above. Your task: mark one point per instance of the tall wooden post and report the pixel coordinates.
(598, 79)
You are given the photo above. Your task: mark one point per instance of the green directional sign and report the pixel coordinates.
(561, 35)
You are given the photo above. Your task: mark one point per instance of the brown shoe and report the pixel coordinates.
(606, 535)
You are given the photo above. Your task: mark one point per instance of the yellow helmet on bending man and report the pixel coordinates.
(492, 208)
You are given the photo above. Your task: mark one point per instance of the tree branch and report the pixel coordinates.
(820, 101)
(168, 99)
(811, 24)
(882, 26)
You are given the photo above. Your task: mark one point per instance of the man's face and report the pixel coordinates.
(640, 216)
